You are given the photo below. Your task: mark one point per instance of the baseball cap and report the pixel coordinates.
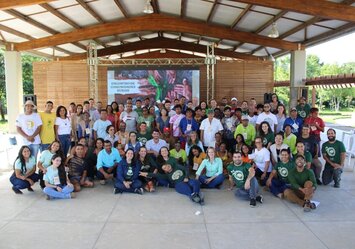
(210, 111)
(293, 109)
(166, 129)
(245, 117)
(30, 102)
(234, 99)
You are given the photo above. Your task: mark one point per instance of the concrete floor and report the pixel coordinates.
(165, 219)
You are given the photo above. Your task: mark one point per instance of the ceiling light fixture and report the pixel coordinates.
(148, 9)
(274, 33)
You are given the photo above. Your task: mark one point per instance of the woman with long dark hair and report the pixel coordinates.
(24, 175)
(127, 175)
(45, 159)
(57, 183)
(62, 129)
(146, 164)
(91, 157)
(265, 132)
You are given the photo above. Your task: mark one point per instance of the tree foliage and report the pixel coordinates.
(329, 98)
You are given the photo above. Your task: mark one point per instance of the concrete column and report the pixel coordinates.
(14, 87)
(297, 74)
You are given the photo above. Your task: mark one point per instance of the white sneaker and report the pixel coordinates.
(103, 182)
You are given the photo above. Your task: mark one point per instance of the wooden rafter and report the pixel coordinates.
(264, 26)
(183, 8)
(67, 20)
(213, 9)
(28, 37)
(90, 10)
(2, 37)
(37, 24)
(161, 43)
(155, 5)
(9, 4)
(323, 9)
(155, 22)
(121, 8)
(241, 15)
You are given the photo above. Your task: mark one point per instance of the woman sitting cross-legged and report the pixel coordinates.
(214, 170)
(56, 180)
(177, 176)
(24, 175)
(146, 164)
(127, 175)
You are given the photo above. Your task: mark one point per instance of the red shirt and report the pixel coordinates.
(312, 123)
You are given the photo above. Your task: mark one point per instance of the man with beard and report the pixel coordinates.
(303, 184)
(334, 155)
(243, 176)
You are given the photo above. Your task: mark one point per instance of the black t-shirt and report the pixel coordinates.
(310, 144)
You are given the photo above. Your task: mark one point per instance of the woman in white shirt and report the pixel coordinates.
(261, 159)
(276, 148)
(62, 129)
(24, 175)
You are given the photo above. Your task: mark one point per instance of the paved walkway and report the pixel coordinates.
(99, 219)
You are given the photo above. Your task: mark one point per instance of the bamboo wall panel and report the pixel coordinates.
(67, 81)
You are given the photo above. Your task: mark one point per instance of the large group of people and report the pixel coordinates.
(142, 144)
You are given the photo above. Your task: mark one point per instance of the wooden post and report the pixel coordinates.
(314, 97)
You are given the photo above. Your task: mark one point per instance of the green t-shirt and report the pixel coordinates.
(143, 138)
(307, 156)
(333, 151)
(283, 169)
(270, 137)
(239, 173)
(303, 112)
(298, 179)
(177, 174)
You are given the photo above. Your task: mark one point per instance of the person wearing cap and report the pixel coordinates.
(246, 130)
(47, 131)
(294, 121)
(209, 127)
(303, 185)
(234, 104)
(267, 116)
(303, 108)
(29, 125)
(316, 123)
(290, 139)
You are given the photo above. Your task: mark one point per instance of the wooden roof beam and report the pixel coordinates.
(210, 15)
(121, 8)
(161, 43)
(155, 22)
(323, 9)
(265, 25)
(241, 16)
(90, 10)
(9, 4)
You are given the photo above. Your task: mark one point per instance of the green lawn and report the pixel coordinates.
(335, 117)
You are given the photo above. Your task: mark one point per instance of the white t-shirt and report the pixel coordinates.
(64, 127)
(100, 127)
(209, 131)
(29, 124)
(270, 118)
(260, 157)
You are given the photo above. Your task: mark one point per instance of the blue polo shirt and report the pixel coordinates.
(108, 160)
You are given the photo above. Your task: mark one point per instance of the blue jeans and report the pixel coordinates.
(44, 147)
(53, 193)
(213, 184)
(22, 184)
(277, 186)
(34, 148)
(100, 176)
(250, 193)
(187, 188)
(135, 184)
(65, 142)
(164, 183)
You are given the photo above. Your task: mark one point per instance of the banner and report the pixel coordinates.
(156, 84)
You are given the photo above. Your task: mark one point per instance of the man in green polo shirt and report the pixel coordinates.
(334, 155)
(303, 184)
(243, 176)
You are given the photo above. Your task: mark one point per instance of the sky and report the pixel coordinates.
(339, 50)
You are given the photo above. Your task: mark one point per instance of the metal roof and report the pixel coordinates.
(48, 27)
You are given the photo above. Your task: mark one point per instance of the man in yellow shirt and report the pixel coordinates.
(246, 130)
(48, 120)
